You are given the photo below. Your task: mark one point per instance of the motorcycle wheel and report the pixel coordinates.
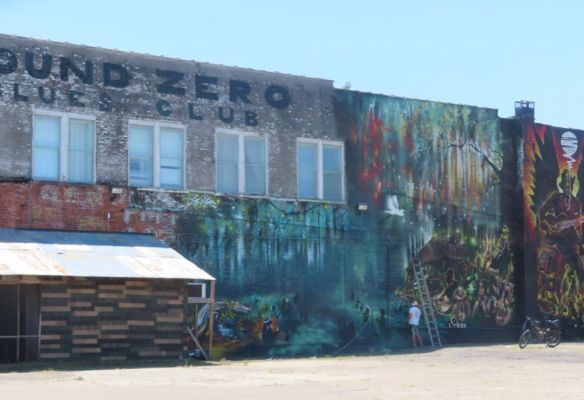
(524, 339)
(553, 339)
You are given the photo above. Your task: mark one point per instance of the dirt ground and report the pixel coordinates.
(488, 372)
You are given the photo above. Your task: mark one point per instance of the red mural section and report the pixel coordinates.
(553, 198)
(458, 166)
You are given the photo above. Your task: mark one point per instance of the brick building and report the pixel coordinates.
(99, 140)
(306, 202)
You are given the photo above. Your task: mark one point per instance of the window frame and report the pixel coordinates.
(320, 144)
(64, 118)
(156, 127)
(241, 135)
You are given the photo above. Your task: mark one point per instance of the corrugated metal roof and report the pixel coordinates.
(88, 254)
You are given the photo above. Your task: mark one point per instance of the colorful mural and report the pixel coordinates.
(437, 167)
(294, 278)
(316, 278)
(553, 217)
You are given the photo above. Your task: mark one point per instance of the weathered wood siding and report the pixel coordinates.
(112, 319)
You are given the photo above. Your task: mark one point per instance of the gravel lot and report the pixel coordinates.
(487, 372)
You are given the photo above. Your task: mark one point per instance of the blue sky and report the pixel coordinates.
(485, 53)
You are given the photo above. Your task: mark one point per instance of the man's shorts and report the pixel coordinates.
(415, 330)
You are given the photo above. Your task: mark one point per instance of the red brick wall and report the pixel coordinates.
(79, 207)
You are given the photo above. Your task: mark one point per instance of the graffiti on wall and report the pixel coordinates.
(438, 166)
(293, 278)
(553, 217)
(312, 278)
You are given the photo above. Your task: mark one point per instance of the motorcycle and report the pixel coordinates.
(534, 331)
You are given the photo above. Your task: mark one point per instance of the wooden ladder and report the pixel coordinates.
(427, 307)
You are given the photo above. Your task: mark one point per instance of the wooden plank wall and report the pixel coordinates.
(112, 320)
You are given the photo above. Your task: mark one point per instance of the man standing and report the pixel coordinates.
(414, 320)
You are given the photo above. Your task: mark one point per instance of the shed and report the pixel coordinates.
(84, 295)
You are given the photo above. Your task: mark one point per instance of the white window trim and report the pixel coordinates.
(241, 135)
(157, 125)
(64, 118)
(320, 168)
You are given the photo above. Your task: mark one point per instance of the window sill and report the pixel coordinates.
(47, 181)
(159, 190)
(240, 196)
(243, 195)
(335, 202)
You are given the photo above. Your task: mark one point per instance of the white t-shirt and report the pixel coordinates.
(415, 314)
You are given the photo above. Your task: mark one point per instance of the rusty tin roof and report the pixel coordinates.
(89, 254)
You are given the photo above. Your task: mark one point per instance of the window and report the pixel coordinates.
(171, 157)
(80, 165)
(241, 163)
(63, 147)
(320, 170)
(332, 172)
(156, 153)
(141, 143)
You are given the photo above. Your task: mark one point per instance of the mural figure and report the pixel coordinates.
(553, 196)
(559, 232)
(559, 240)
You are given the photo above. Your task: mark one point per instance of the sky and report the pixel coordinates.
(483, 53)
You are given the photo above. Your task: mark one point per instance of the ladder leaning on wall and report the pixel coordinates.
(427, 307)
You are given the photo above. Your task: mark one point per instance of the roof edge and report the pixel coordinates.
(158, 57)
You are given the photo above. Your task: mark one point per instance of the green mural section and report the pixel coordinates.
(314, 278)
(293, 278)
